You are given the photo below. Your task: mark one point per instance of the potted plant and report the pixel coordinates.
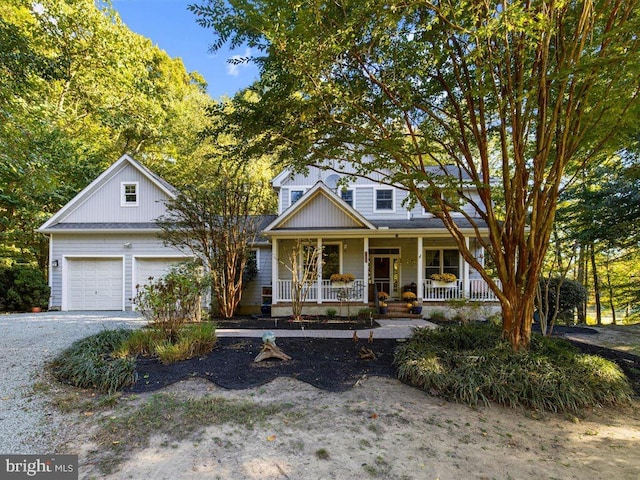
(342, 280)
(409, 297)
(382, 296)
(443, 280)
(416, 307)
(383, 308)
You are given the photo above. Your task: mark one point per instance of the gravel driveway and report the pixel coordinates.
(27, 342)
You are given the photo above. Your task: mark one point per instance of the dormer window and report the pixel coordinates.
(295, 195)
(129, 194)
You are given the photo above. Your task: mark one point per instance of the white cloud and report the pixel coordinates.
(235, 68)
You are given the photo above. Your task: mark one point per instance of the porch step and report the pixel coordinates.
(399, 310)
(399, 314)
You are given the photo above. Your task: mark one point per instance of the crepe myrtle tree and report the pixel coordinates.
(215, 224)
(508, 99)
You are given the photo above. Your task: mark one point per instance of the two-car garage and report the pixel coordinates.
(100, 283)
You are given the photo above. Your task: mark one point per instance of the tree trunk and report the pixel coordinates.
(517, 317)
(582, 278)
(596, 285)
(610, 290)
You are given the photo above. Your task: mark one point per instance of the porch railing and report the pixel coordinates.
(478, 291)
(329, 293)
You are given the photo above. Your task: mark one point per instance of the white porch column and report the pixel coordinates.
(319, 279)
(465, 284)
(274, 271)
(365, 271)
(420, 276)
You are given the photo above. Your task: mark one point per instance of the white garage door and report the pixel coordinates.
(94, 284)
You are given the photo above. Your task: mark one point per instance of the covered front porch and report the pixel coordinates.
(392, 265)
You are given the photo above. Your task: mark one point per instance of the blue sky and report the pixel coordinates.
(173, 28)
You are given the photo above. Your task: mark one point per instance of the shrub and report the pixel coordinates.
(438, 316)
(367, 312)
(331, 312)
(23, 287)
(475, 365)
(89, 363)
(173, 300)
(572, 295)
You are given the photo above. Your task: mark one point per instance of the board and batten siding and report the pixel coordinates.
(320, 212)
(105, 245)
(105, 202)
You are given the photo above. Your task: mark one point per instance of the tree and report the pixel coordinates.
(303, 264)
(216, 225)
(77, 90)
(601, 212)
(526, 91)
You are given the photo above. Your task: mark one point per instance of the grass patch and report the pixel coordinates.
(474, 365)
(89, 363)
(177, 418)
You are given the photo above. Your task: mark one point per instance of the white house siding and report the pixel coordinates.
(101, 245)
(103, 205)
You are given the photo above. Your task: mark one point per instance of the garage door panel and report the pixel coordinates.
(95, 284)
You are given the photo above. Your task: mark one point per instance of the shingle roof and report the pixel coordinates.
(104, 226)
(426, 223)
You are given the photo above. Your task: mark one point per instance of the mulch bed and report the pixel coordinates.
(329, 364)
(307, 323)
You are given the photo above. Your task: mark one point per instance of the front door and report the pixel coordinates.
(382, 274)
(386, 274)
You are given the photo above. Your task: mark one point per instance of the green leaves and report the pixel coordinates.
(77, 90)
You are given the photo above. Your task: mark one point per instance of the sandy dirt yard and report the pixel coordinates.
(379, 429)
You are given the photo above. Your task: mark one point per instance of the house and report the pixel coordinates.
(104, 242)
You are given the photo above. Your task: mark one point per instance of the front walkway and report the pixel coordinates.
(392, 328)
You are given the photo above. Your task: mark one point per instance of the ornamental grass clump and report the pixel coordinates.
(193, 341)
(89, 363)
(473, 364)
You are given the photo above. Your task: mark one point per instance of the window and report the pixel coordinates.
(384, 199)
(347, 196)
(442, 261)
(295, 195)
(129, 194)
(330, 260)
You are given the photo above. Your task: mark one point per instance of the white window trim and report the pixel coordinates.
(257, 250)
(123, 202)
(353, 194)
(375, 200)
(296, 189)
(441, 254)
